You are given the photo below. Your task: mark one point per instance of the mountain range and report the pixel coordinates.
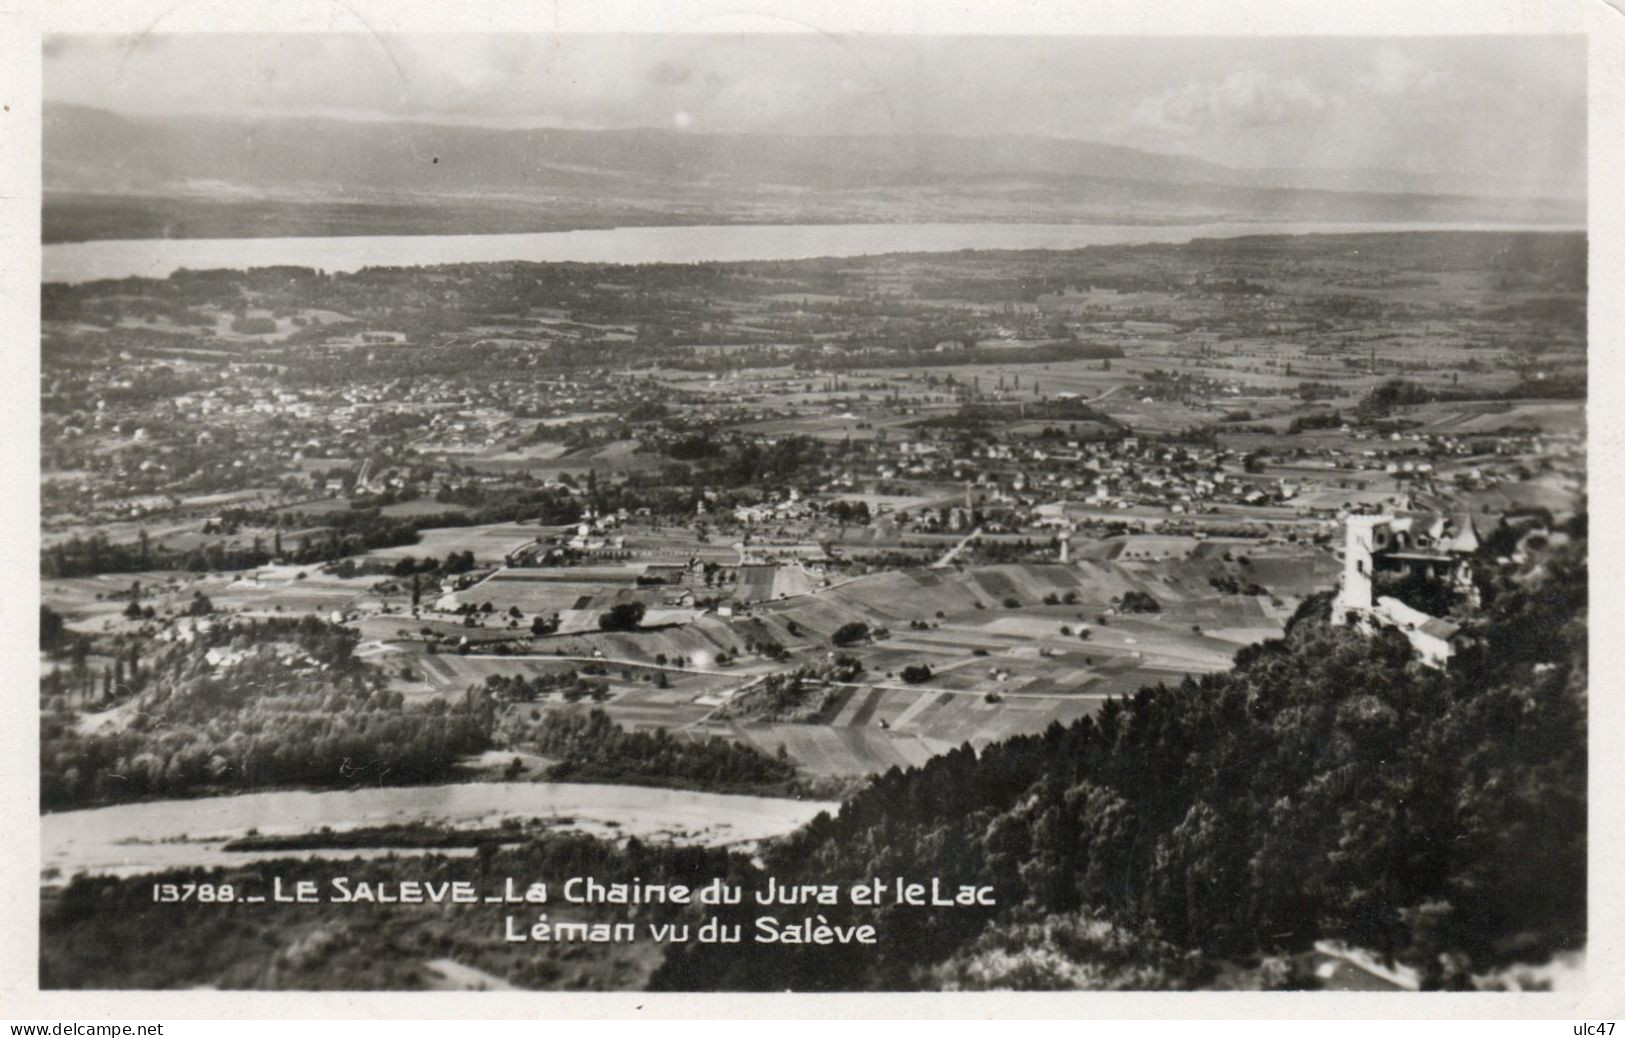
(114, 175)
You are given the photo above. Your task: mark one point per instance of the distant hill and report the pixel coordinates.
(111, 175)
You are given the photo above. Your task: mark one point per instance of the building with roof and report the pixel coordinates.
(1424, 547)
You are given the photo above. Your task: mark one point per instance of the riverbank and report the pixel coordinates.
(141, 838)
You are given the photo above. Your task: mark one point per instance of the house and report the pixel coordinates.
(1427, 548)
(1436, 641)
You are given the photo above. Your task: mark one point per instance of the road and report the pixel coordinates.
(953, 553)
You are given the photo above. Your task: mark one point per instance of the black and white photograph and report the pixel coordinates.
(809, 511)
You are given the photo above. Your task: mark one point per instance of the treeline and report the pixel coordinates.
(811, 359)
(590, 747)
(527, 688)
(708, 461)
(1381, 400)
(1310, 422)
(343, 534)
(1330, 787)
(362, 532)
(1401, 393)
(978, 416)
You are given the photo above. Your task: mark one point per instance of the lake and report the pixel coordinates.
(158, 258)
(134, 839)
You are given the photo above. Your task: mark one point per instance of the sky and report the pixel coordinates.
(1512, 106)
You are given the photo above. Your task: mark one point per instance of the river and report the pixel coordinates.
(134, 839)
(160, 257)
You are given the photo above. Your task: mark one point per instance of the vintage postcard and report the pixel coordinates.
(827, 503)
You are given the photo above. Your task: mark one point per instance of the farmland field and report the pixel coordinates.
(996, 670)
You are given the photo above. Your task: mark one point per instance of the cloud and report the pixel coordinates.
(1396, 74)
(1243, 99)
(1469, 103)
(666, 74)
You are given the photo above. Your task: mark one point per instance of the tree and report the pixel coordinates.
(1139, 602)
(51, 628)
(1234, 815)
(916, 673)
(850, 634)
(623, 616)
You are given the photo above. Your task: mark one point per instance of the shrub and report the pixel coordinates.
(1139, 602)
(850, 634)
(623, 616)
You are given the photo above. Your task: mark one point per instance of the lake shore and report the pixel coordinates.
(76, 262)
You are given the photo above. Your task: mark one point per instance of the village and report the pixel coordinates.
(1018, 503)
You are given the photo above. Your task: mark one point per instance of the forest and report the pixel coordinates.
(1329, 787)
(288, 704)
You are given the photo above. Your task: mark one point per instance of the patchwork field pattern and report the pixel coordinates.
(1011, 648)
